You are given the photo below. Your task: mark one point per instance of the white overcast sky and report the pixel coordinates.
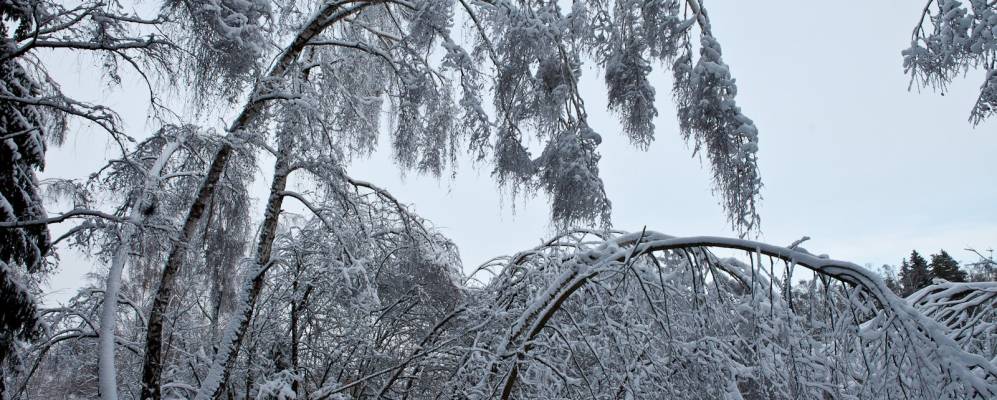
(848, 155)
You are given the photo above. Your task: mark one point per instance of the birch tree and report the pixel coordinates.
(358, 296)
(34, 113)
(396, 39)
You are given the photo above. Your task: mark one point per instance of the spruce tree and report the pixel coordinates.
(905, 279)
(920, 274)
(914, 274)
(943, 266)
(24, 129)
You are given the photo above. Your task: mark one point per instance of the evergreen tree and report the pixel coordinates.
(914, 274)
(943, 266)
(920, 274)
(905, 278)
(24, 128)
(22, 249)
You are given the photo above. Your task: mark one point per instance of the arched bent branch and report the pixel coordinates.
(589, 264)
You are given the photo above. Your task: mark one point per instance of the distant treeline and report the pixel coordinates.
(916, 272)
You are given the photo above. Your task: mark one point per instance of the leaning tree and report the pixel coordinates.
(33, 114)
(359, 296)
(340, 60)
(321, 74)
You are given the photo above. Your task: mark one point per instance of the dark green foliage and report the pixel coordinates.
(23, 131)
(914, 274)
(943, 266)
(917, 273)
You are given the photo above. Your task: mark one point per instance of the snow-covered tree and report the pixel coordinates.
(359, 297)
(339, 60)
(983, 269)
(33, 113)
(24, 129)
(943, 266)
(914, 273)
(951, 38)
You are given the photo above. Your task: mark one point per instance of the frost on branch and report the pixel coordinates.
(226, 38)
(590, 314)
(986, 103)
(222, 236)
(653, 316)
(965, 310)
(360, 282)
(569, 171)
(429, 22)
(424, 138)
(33, 111)
(513, 164)
(711, 119)
(631, 94)
(640, 31)
(365, 300)
(364, 60)
(952, 37)
(539, 51)
(357, 98)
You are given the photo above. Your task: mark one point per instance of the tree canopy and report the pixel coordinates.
(357, 296)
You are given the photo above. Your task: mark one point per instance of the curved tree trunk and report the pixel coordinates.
(152, 365)
(107, 374)
(225, 358)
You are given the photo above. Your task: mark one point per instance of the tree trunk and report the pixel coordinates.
(225, 358)
(295, 309)
(296, 306)
(107, 374)
(153, 363)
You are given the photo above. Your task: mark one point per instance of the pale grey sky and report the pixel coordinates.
(848, 156)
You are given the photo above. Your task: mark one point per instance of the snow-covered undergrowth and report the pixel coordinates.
(588, 314)
(360, 297)
(646, 315)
